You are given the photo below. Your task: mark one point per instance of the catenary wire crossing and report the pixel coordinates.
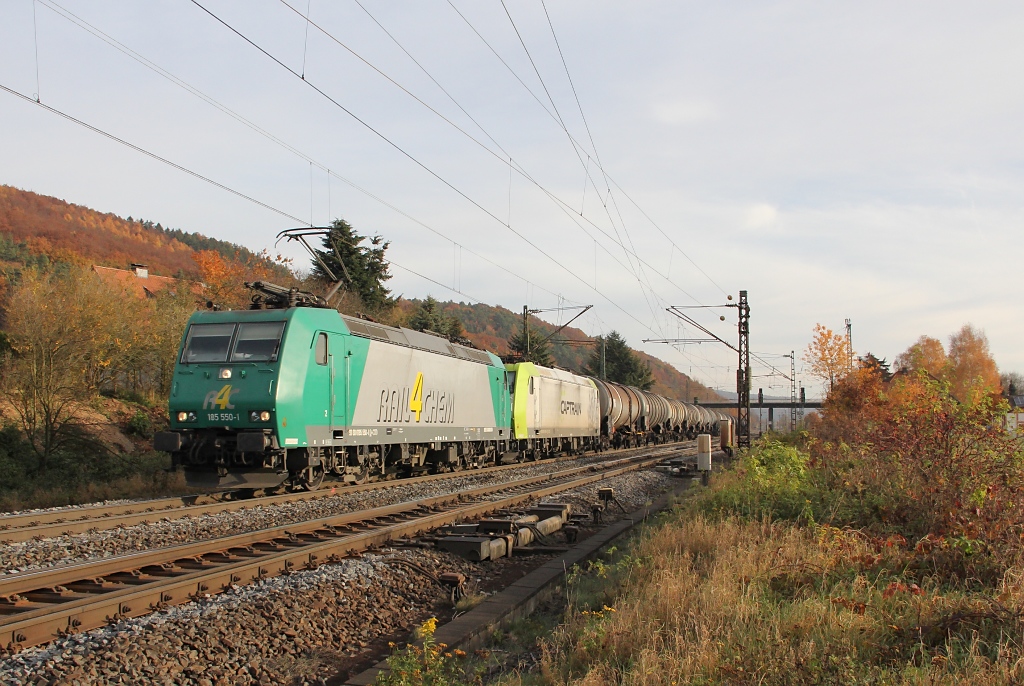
(425, 167)
(330, 172)
(503, 158)
(458, 246)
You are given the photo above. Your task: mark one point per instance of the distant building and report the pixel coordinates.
(1015, 417)
(141, 282)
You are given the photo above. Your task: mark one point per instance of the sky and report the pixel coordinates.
(858, 161)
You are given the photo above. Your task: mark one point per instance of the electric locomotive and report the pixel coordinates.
(292, 390)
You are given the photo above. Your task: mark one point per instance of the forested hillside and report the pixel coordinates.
(37, 229)
(87, 353)
(491, 327)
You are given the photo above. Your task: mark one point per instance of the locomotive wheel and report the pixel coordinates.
(310, 478)
(362, 476)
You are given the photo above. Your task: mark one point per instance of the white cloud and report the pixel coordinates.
(685, 112)
(760, 216)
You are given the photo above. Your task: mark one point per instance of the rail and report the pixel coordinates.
(22, 527)
(39, 606)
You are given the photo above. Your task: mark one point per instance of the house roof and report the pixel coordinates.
(142, 286)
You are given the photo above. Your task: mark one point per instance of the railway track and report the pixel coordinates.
(16, 528)
(39, 606)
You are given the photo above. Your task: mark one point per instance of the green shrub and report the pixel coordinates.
(140, 425)
(772, 480)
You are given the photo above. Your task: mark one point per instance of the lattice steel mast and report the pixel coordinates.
(743, 375)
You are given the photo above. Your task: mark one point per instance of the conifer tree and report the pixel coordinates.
(363, 268)
(622, 365)
(430, 317)
(540, 350)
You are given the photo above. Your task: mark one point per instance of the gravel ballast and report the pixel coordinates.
(300, 628)
(162, 532)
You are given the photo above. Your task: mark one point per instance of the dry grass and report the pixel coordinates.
(888, 549)
(153, 483)
(731, 601)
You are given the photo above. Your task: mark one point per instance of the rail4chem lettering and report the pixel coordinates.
(416, 404)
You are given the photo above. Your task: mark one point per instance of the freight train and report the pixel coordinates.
(291, 390)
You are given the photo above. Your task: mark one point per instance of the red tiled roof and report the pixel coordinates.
(143, 287)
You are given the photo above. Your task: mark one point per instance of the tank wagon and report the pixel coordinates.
(630, 416)
(292, 390)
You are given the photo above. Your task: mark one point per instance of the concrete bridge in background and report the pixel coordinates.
(768, 405)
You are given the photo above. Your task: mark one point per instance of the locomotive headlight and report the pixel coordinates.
(183, 416)
(259, 416)
(225, 373)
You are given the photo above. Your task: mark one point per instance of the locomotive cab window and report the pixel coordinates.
(321, 349)
(257, 342)
(208, 343)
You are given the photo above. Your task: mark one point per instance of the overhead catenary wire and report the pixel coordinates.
(86, 26)
(419, 163)
(150, 154)
(637, 271)
(452, 288)
(600, 166)
(630, 250)
(292, 217)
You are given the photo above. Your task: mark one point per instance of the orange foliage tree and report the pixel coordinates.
(973, 372)
(224, 280)
(828, 356)
(969, 367)
(927, 354)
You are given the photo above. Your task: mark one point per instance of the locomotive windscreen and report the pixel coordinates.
(257, 342)
(207, 343)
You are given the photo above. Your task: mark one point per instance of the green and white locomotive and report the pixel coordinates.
(296, 390)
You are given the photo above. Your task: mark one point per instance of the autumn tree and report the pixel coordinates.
(57, 344)
(968, 368)
(164, 323)
(363, 269)
(224, 279)
(926, 354)
(852, 405)
(828, 356)
(972, 371)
